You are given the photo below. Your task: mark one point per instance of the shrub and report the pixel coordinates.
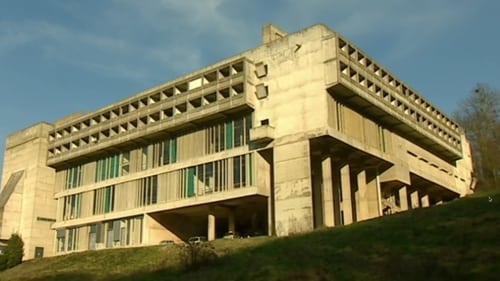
(14, 251)
(196, 255)
(3, 262)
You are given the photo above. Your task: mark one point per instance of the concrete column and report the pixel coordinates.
(362, 202)
(293, 188)
(327, 192)
(231, 220)
(414, 199)
(379, 193)
(345, 182)
(403, 199)
(373, 198)
(211, 225)
(424, 201)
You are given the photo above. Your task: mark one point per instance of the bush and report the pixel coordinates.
(3, 262)
(14, 251)
(196, 255)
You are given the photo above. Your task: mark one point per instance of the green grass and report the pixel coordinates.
(459, 240)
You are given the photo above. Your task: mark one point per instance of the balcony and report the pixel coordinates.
(264, 133)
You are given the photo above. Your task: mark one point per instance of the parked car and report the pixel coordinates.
(231, 235)
(197, 240)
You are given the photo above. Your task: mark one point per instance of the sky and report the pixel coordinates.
(58, 57)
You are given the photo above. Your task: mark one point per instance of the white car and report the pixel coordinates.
(197, 240)
(231, 235)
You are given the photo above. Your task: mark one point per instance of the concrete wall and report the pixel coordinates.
(31, 209)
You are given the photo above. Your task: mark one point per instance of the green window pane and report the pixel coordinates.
(173, 150)
(229, 135)
(112, 170)
(107, 199)
(78, 199)
(190, 181)
(238, 132)
(117, 166)
(166, 152)
(96, 178)
(104, 165)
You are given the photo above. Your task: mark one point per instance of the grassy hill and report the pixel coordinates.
(459, 240)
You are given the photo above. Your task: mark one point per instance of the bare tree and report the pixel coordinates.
(479, 115)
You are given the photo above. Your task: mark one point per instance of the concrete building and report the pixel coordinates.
(303, 131)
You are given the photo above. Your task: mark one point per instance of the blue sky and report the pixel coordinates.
(63, 56)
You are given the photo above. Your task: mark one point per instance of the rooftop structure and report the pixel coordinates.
(303, 131)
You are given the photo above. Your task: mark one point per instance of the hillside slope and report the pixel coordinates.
(459, 240)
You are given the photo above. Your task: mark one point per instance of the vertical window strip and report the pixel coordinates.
(97, 170)
(243, 170)
(190, 181)
(248, 126)
(238, 132)
(107, 200)
(74, 177)
(173, 150)
(154, 199)
(250, 168)
(229, 135)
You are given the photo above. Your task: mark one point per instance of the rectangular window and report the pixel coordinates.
(74, 177)
(61, 239)
(250, 169)
(238, 132)
(104, 200)
(144, 158)
(243, 170)
(148, 191)
(208, 177)
(173, 150)
(190, 181)
(71, 207)
(166, 152)
(125, 163)
(169, 148)
(72, 239)
(107, 199)
(248, 126)
(229, 135)
(236, 171)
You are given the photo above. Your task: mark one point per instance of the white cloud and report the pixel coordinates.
(131, 39)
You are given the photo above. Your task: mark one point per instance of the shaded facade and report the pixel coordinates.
(303, 131)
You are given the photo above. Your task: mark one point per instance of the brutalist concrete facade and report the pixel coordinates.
(303, 131)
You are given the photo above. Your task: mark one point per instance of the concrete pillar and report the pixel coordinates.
(345, 182)
(293, 202)
(362, 200)
(424, 201)
(414, 199)
(403, 199)
(379, 192)
(231, 220)
(327, 192)
(373, 199)
(211, 225)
